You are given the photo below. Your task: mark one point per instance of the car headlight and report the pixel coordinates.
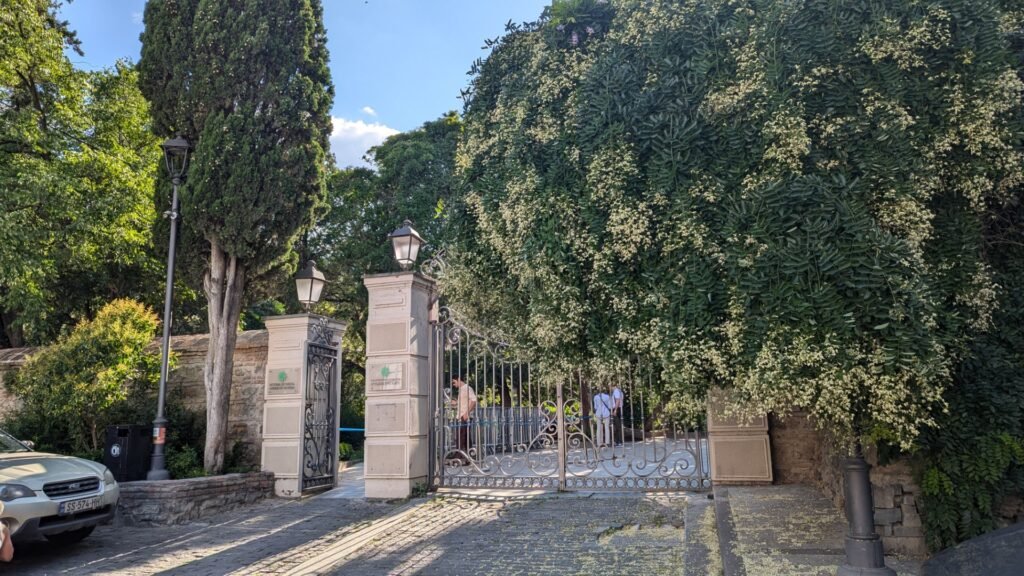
(10, 492)
(108, 477)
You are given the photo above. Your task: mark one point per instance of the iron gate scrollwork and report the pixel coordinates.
(565, 433)
(319, 436)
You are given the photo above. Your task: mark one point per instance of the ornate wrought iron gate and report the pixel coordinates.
(564, 433)
(319, 436)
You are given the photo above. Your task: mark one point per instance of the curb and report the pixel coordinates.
(732, 564)
(695, 553)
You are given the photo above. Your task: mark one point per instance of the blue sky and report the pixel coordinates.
(395, 63)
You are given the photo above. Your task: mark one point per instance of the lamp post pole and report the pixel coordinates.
(176, 151)
(864, 553)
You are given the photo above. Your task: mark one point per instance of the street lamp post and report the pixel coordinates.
(176, 155)
(864, 553)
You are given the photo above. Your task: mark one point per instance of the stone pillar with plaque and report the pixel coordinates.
(397, 376)
(300, 403)
(740, 449)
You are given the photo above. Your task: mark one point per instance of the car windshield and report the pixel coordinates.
(9, 444)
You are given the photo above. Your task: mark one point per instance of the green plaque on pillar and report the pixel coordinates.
(283, 381)
(387, 376)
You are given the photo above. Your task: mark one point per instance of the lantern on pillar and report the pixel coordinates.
(406, 242)
(309, 283)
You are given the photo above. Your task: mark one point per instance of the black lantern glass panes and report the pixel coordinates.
(406, 243)
(176, 155)
(309, 284)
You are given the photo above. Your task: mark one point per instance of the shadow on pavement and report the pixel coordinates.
(231, 542)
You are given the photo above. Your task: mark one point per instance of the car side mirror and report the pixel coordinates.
(31, 445)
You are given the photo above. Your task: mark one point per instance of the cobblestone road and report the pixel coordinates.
(551, 534)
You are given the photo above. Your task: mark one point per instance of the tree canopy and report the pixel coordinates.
(786, 199)
(247, 83)
(76, 169)
(414, 177)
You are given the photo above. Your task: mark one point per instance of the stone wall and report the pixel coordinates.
(1011, 510)
(179, 501)
(795, 449)
(247, 381)
(10, 360)
(802, 455)
(186, 384)
(895, 495)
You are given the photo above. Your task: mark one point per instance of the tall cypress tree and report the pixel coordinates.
(247, 82)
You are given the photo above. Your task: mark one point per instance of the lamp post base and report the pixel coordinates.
(864, 553)
(158, 464)
(846, 570)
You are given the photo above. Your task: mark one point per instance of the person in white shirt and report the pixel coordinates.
(617, 398)
(465, 404)
(602, 414)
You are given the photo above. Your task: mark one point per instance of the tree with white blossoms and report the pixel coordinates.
(782, 198)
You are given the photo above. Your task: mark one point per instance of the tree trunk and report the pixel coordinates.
(223, 284)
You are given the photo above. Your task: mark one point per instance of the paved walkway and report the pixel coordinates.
(351, 484)
(774, 531)
(791, 530)
(614, 534)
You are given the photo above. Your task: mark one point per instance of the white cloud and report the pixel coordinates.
(369, 111)
(350, 139)
(137, 18)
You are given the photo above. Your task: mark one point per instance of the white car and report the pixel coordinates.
(59, 497)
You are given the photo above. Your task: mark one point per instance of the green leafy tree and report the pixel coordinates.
(76, 169)
(415, 179)
(103, 372)
(247, 82)
(783, 199)
(974, 456)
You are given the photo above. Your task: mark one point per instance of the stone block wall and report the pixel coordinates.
(10, 360)
(1011, 510)
(247, 381)
(803, 455)
(179, 501)
(795, 451)
(897, 518)
(186, 383)
(895, 495)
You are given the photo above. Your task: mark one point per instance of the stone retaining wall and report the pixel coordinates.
(895, 495)
(795, 449)
(802, 455)
(186, 383)
(179, 501)
(11, 360)
(245, 415)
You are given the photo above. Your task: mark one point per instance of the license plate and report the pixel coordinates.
(75, 506)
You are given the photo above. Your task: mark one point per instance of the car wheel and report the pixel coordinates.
(71, 536)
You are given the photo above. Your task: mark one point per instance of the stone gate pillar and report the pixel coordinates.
(284, 398)
(398, 341)
(740, 451)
